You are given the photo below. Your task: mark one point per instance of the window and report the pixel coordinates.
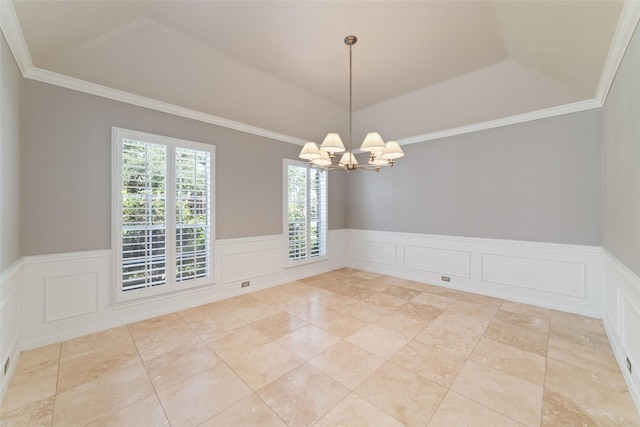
(163, 214)
(305, 207)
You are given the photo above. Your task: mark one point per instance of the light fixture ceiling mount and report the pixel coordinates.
(380, 153)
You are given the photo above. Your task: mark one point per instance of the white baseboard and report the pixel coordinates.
(10, 303)
(621, 318)
(562, 277)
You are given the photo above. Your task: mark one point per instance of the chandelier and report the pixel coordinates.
(380, 153)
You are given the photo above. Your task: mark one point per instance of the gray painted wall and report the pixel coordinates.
(533, 181)
(621, 162)
(10, 128)
(67, 171)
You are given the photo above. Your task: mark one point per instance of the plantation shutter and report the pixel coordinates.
(193, 219)
(306, 212)
(297, 212)
(144, 222)
(317, 213)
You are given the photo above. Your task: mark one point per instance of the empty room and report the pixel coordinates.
(319, 213)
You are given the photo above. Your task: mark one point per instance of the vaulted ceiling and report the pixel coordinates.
(418, 67)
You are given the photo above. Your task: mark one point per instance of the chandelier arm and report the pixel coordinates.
(350, 100)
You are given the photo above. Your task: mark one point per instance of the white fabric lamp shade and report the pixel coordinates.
(378, 161)
(373, 142)
(332, 143)
(324, 160)
(348, 159)
(392, 151)
(310, 151)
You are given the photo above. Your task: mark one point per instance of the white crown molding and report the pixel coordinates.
(629, 17)
(141, 101)
(627, 23)
(505, 121)
(15, 38)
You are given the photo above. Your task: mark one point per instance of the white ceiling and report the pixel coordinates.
(418, 67)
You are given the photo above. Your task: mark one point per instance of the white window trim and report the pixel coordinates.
(285, 218)
(171, 287)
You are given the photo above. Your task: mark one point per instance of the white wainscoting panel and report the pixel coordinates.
(436, 260)
(621, 318)
(10, 302)
(563, 277)
(557, 277)
(373, 251)
(70, 295)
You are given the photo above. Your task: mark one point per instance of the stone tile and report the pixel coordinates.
(278, 325)
(385, 301)
(511, 396)
(447, 333)
(34, 379)
(433, 300)
(407, 326)
(240, 301)
(339, 324)
(510, 360)
(308, 341)
(410, 399)
(302, 396)
(250, 411)
(379, 341)
(520, 308)
(160, 335)
(472, 309)
(176, 366)
(264, 364)
(457, 410)
(364, 311)
(403, 293)
(336, 301)
(256, 311)
(145, 413)
(585, 355)
(524, 320)
(36, 414)
(112, 341)
(238, 342)
(357, 412)
(214, 325)
(436, 363)
(480, 299)
(91, 401)
(590, 394)
(347, 363)
(195, 400)
(87, 359)
(520, 338)
(421, 311)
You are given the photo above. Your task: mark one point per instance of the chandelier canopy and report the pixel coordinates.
(380, 153)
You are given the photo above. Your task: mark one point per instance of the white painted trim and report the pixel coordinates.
(15, 38)
(66, 256)
(10, 288)
(244, 240)
(505, 121)
(14, 269)
(627, 287)
(628, 21)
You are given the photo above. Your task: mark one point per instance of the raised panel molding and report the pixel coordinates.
(373, 252)
(558, 277)
(70, 295)
(438, 260)
(621, 317)
(246, 265)
(562, 277)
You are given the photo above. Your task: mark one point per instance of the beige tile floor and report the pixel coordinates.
(346, 348)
